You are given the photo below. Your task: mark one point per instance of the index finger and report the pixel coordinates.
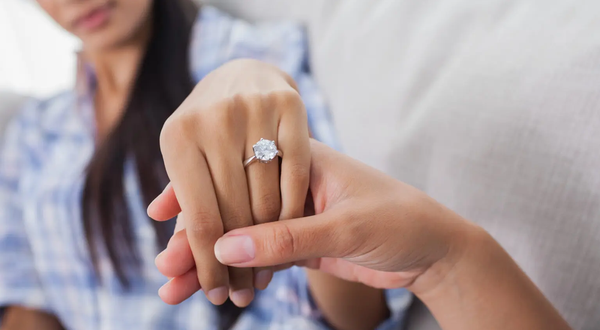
(165, 206)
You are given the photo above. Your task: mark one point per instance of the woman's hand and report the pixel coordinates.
(204, 145)
(369, 228)
(373, 229)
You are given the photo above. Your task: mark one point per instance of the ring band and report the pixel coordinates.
(264, 151)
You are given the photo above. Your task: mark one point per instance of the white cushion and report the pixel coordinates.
(491, 107)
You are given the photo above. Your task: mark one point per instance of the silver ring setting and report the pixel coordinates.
(264, 151)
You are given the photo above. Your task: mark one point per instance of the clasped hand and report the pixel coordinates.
(368, 227)
(204, 144)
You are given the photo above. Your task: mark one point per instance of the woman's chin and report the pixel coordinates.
(113, 36)
(103, 42)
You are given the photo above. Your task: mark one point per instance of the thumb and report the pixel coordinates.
(280, 242)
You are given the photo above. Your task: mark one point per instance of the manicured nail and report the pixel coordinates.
(242, 298)
(262, 279)
(219, 295)
(231, 250)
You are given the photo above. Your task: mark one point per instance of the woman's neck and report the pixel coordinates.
(116, 71)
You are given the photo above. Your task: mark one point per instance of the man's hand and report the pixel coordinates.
(368, 228)
(378, 231)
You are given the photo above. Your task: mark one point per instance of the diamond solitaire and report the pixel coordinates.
(264, 151)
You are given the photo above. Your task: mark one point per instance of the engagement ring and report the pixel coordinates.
(264, 151)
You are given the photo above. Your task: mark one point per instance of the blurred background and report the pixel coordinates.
(491, 107)
(36, 57)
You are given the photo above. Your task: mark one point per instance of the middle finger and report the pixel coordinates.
(192, 183)
(231, 189)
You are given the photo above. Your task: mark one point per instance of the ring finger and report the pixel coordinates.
(263, 185)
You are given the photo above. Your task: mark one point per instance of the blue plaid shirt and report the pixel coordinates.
(44, 260)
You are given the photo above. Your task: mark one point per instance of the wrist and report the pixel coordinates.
(479, 286)
(464, 240)
(344, 304)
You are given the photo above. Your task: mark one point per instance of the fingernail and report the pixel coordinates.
(158, 257)
(262, 279)
(150, 206)
(164, 189)
(231, 250)
(162, 289)
(242, 298)
(219, 295)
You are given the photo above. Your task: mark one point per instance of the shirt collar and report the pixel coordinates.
(85, 88)
(85, 83)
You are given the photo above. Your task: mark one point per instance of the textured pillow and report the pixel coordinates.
(340, 72)
(491, 107)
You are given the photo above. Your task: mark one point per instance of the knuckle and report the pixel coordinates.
(353, 231)
(240, 278)
(249, 99)
(177, 129)
(256, 104)
(204, 224)
(217, 122)
(288, 100)
(267, 208)
(284, 243)
(298, 172)
(234, 221)
(213, 275)
(222, 112)
(169, 132)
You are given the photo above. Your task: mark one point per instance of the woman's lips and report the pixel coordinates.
(94, 19)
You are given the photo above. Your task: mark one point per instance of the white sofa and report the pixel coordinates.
(419, 65)
(356, 52)
(491, 107)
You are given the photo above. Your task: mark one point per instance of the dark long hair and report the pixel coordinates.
(162, 83)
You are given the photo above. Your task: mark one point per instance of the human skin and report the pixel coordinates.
(233, 107)
(375, 230)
